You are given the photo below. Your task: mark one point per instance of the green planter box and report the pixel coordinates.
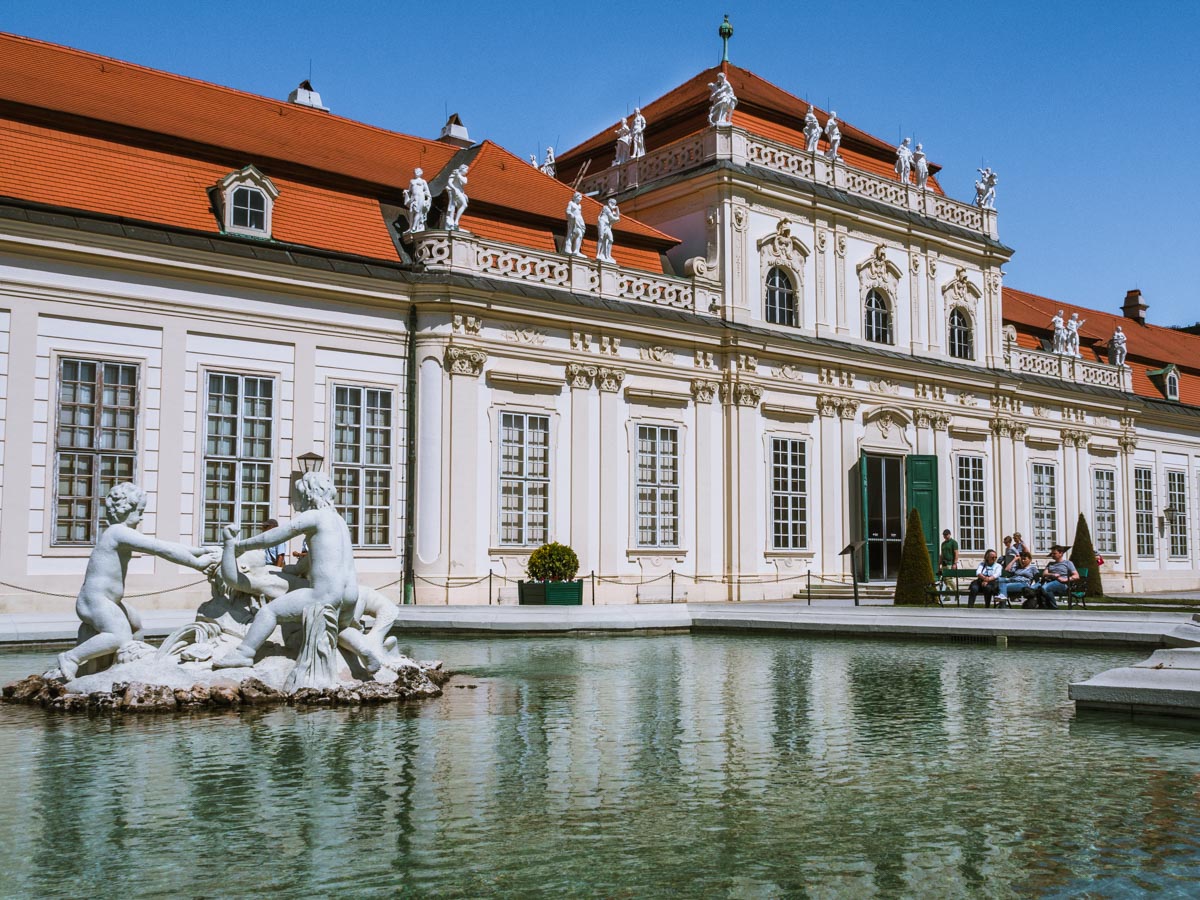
(550, 593)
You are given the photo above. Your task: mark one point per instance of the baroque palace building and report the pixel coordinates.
(205, 291)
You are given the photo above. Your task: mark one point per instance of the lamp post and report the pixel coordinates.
(310, 462)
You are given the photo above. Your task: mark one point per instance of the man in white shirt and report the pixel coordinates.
(987, 580)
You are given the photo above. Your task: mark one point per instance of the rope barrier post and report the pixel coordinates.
(593, 587)
(489, 587)
(672, 585)
(809, 575)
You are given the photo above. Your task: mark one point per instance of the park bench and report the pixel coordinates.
(946, 585)
(1077, 590)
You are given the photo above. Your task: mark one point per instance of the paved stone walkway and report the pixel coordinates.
(829, 617)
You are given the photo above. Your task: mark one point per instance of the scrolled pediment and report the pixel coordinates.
(877, 271)
(960, 290)
(782, 248)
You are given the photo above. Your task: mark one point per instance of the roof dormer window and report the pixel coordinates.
(245, 199)
(1167, 380)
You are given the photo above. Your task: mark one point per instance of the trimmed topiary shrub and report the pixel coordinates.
(553, 562)
(1083, 554)
(916, 568)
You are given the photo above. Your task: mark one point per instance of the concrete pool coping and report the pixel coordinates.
(1143, 629)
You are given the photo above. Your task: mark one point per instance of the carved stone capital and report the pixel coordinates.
(848, 408)
(1001, 427)
(703, 391)
(1019, 430)
(922, 418)
(741, 394)
(609, 379)
(465, 361)
(1073, 438)
(1128, 442)
(580, 376)
(827, 404)
(940, 421)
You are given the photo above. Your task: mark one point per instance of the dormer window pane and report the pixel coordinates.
(249, 209)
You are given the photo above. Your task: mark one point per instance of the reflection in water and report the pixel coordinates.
(751, 766)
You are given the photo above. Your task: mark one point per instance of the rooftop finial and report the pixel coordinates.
(726, 32)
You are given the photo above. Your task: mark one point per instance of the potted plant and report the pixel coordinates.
(552, 568)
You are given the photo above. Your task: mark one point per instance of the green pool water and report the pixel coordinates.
(700, 766)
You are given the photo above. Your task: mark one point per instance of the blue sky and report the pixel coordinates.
(1089, 112)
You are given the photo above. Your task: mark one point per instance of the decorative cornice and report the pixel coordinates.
(466, 324)
(465, 361)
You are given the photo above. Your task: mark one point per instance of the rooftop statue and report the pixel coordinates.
(624, 136)
(1073, 326)
(1116, 347)
(637, 134)
(609, 214)
(548, 166)
(533, 160)
(904, 160)
(921, 164)
(108, 625)
(721, 101)
(456, 192)
(1059, 341)
(812, 131)
(575, 226)
(985, 189)
(418, 200)
(834, 134)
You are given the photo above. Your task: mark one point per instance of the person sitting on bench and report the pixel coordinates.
(1056, 578)
(1023, 573)
(987, 580)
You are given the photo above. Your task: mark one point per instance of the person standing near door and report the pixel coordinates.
(948, 554)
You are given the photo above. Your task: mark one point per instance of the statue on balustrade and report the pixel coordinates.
(921, 164)
(609, 215)
(721, 100)
(624, 137)
(834, 134)
(904, 160)
(417, 200)
(575, 226)
(1073, 326)
(456, 197)
(1059, 341)
(812, 130)
(985, 189)
(1116, 347)
(637, 135)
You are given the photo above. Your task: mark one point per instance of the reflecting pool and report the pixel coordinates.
(697, 765)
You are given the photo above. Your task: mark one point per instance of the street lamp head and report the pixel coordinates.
(310, 461)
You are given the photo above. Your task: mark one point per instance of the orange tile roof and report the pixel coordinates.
(1149, 347)
(763, 109)
(108, 136)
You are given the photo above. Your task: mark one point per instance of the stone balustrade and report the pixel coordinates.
(739, 146)
(464, 253)
(1068, 368)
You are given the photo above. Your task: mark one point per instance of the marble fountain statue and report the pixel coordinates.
(307, 633)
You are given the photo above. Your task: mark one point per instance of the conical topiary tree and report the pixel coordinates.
(916, 568)
(1083, 554)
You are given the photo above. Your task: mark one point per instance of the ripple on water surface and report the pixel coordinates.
(634, 766)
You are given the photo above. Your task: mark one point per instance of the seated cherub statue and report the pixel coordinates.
(108, 624)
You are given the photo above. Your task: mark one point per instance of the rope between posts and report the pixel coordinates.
(29, 590)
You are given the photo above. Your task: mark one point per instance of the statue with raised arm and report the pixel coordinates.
(904, 160)
(456, 197)
(812, 130)
(1073, 326)
(548, 166)
(331, 567)
(575, 226)
(921, 165)
(418, 200)
(721, 101)
(985, 189)
(1116, 347)
(533, 160)
(108, 625)
(1059, 341)
(609, 214)
(624, 137)
(637, 135)
(834, 134)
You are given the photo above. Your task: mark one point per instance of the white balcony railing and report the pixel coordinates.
(464, 253)
(1068, 368)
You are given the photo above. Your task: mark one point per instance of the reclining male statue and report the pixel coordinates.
(108, 624)
(332, 578)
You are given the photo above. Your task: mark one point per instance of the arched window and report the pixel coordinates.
(781, 298)
(877, 324)
(1172, 386)
(249, 209)
(961, 339)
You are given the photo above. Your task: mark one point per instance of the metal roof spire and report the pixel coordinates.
(725, 32)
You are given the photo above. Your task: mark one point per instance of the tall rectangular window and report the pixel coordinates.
(1143, 499)
(1045, 508)
(238, 452)
(971, 525)
(1104, 509)
(362, 462)
(1177, 504)
(524, 479)
(789, 495)
(657, 486)
(95, 442)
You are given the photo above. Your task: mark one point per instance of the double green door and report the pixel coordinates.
(890, 486)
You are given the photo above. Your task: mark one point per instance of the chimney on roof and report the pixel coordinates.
(304, 95)
(455, 132)
(1135, 307)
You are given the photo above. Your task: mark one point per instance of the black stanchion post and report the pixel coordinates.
(593, 587)
(809, 576)
(672, 585)
(851, 550)
(489, 587)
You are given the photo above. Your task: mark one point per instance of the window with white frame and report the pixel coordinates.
(789, 494)
(362, 462)
(95, 442)
(877, 321)
(972, 528)
(657, 486)
(1143, 501)
(249, 209)
(524, 479)
(238, 452)
(1044, 507)
(961, 337)
(1172, 386)
(246, 201)
(1104, 509)
(781, 298)
(1177, 506)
